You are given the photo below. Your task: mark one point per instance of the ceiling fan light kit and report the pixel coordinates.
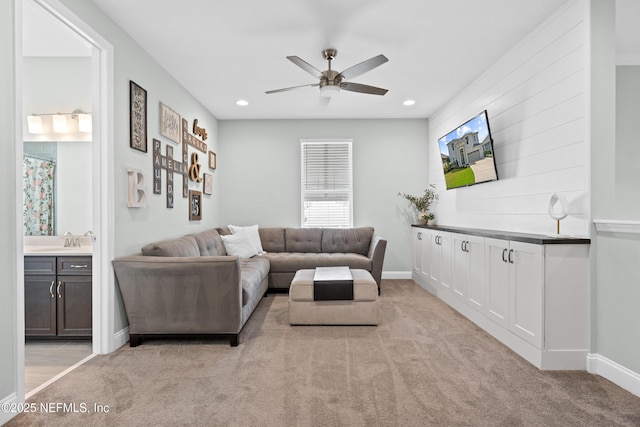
(331, 81)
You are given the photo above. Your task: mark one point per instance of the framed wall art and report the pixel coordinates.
(208, 184)
(169, 123)
(195, 205)
(212, 160)
(137, 117)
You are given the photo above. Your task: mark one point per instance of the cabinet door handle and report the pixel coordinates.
(510, 258)
(504, 255)
(419, 236)
(438, 240)
(53, 283)
(78, 265)
(58, 289)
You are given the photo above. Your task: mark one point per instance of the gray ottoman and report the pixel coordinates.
(362, 310)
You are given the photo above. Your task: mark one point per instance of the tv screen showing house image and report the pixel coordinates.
(467, 153)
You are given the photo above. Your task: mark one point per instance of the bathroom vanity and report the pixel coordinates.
(57, 292)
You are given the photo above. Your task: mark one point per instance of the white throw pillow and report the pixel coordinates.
(254, 235)
(239, 244)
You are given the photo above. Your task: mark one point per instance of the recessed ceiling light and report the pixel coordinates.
(409, 102)
(242, 102)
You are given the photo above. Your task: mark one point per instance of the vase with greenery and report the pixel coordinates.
(423, 203)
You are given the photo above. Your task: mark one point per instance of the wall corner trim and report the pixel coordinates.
(616, 226)
(614, 372)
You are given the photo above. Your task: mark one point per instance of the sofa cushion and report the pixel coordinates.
(303, 240)
(252, 232)
(183, 246)
(347, 240)
(239, 245)
(252, 272)
(272, 238)
(210, 243)
(293, 261)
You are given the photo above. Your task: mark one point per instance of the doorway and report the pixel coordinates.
(65, 26)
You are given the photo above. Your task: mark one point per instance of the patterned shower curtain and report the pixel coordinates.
(38, 184)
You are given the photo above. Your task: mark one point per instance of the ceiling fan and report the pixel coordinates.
(332, 81)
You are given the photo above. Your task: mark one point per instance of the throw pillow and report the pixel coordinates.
(240, 245)
(254, 235)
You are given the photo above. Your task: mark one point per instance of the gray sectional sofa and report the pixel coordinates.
(190, 285)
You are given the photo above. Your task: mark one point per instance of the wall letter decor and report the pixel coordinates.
(137, 189)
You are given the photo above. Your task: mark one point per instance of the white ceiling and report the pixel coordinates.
(225, 51)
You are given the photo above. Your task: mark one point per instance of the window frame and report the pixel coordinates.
(303, 192)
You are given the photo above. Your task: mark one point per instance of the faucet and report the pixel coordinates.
(71, 241)
(68, 239)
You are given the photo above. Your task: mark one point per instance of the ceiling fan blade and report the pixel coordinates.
(363, 67)
(291, 88)
(357, 87)
(323, 102)
(305, 66)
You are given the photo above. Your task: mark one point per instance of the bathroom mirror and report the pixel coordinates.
(56, 187)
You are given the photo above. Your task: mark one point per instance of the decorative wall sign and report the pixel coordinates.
(208, 184)
(201, 132)
(188, 139)
(137, 117)
(194, 169)
(212, 160)
(195, 205)
(171, 165)
(169, 123)
(137, 189)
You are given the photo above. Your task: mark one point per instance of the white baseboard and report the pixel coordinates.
(614, 372)
(120, 338)
(396, 275)
(11, 400)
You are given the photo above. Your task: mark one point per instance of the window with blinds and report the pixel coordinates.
(327, 184)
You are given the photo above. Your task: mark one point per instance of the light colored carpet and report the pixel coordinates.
(423, 365)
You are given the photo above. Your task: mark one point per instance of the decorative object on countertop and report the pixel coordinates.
(422, 203)
(558, 209)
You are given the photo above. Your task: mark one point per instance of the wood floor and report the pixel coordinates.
(43, 360)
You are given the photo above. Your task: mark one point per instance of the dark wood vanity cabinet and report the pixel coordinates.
(57, 295)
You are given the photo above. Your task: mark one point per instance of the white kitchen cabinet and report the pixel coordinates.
(468, 270)
(440, 259)
(514, 287)
(528, 291)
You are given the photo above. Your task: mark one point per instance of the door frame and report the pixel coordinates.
(102, 95)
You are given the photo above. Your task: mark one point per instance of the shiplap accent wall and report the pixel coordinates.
(536, 97)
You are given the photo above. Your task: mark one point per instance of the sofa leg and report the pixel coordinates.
(135, 340)
(379, 290)
(233, 340)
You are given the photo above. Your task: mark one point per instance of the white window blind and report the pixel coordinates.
(327, 184)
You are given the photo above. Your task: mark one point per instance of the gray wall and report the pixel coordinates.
(616, 312)
(259, 170)
(8, 244)
(135, 227)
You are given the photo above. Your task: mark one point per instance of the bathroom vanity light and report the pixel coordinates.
(34, 124)
(60, 122)
(84, 122)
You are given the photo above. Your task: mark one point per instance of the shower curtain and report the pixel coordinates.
(38, 184)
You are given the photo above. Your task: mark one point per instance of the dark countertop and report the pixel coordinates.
(538, 239)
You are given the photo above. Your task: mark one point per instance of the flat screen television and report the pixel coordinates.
(467, 153)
